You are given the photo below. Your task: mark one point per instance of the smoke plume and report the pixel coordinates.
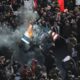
(10, 38)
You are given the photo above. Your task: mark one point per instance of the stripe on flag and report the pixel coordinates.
(28, 35)
(26, 39)
(54, 36)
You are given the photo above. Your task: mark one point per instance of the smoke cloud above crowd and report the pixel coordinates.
(10, 38)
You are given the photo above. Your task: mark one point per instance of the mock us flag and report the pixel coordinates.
(28, 35)
(55, 36)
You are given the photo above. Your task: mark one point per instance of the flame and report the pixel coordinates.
(29, 31)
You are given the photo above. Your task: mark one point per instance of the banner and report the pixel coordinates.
(35, 3)
(61, 5)
(77, 2)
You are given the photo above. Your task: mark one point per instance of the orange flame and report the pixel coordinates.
(30, 31)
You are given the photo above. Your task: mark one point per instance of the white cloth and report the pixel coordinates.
(74, 52)
(67, 58)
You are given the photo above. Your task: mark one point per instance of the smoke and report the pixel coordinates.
(10, 39)
(7, 35)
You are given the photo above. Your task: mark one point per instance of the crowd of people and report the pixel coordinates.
(67, 25)
(7, 16)
(17, 71)
(34, 71)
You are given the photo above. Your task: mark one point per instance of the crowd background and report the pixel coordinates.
(7, 9)
(66, 24)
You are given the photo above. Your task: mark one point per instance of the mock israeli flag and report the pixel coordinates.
(26, 39)
(28, 35)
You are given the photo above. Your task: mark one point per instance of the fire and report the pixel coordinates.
(29, 31)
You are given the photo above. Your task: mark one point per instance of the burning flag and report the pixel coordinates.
(28, 35)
